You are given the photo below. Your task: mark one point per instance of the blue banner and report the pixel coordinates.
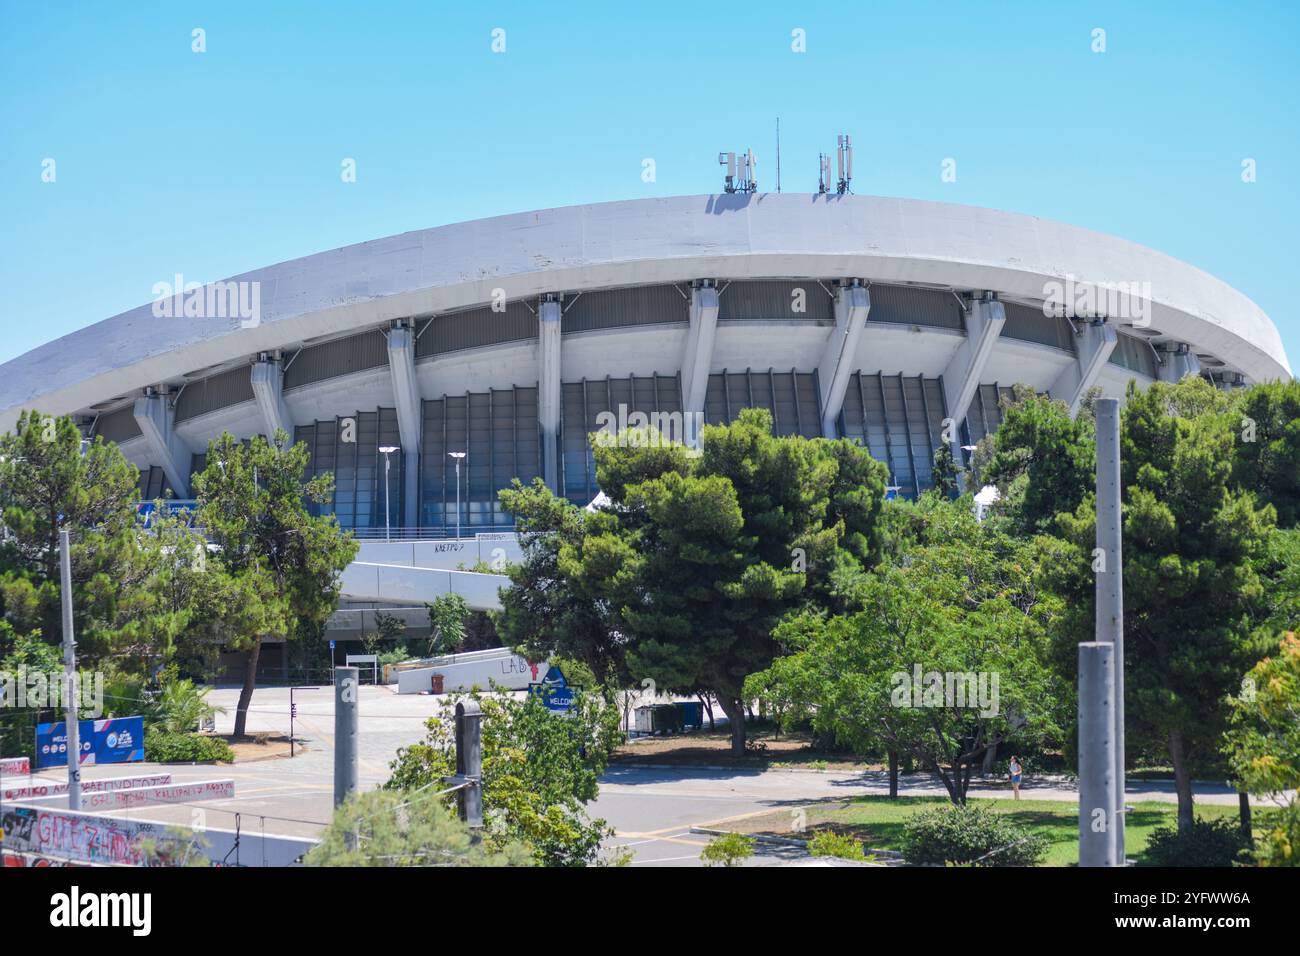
(113, 740)
(119, 740)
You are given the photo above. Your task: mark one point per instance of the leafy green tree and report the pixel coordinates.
(564, 599)
(684, 575)
(1267, 459)
(394, 828)
(128, 587)
(944, 658)
(1043, 460)
(275, 566)
(1278, 568)
(447, 616)
(539, 771)
(1263, 747)
(1192, 543)
(945, 471)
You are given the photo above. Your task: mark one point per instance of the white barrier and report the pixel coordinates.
(58, 834)
(172, 793)
(15, 765)
(39, 791)
(498, 665)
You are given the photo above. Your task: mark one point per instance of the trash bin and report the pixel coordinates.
(436, 680)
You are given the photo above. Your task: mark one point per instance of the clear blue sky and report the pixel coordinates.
(215, 163)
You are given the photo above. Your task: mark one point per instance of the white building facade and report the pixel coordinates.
(507, 339)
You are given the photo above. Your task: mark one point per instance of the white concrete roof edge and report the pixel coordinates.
(634, 242)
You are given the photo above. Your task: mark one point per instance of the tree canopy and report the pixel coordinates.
(683, 575)
(274, 566)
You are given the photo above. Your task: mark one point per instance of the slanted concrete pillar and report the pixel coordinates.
(268, 389)
(549, 369)
(408, 401)
(962, 376)
(697, 356)
(1093, 347)
(154, 415)
(1177, 361)
(852, 306)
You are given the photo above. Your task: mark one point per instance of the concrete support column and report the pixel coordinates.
(852, 307)
(268, 390)
(408, 401)
(962, 375)
(1177, 362)
(154, 415)
(549, 369)
(697, 356)
(1096, 754)
(1093, 347)
(346, 681)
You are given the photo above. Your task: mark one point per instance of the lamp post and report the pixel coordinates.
(458, 455)
(388, 527)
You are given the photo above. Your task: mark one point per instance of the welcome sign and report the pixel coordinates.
(113, 740)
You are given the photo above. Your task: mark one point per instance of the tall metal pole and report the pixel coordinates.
(388, 514)
(1110, 588)
(1096, 754)
(457, 499)
(70, 674)
(345, 733)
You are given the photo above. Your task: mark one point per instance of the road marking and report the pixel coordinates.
(663, 859)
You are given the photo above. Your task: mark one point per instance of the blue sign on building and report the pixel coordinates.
(113, 740)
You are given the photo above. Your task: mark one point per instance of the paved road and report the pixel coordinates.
(652, 809)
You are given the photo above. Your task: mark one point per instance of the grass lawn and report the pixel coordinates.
(878, 821)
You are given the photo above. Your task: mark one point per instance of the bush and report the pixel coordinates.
(730, 849)
(163, 747)
(968, 835)
(1207, 843)
(1279, 842)
(827, 843)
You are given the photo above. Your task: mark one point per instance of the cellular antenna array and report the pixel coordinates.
(843, 168)
(740, 172)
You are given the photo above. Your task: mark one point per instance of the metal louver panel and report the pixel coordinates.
(356, 353)
(903, 305)
(476, 328)
(618, 308)
(775, 302)
(222, 390)
(1028, 324)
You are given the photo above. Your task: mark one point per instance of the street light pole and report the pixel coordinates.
(458, 455)
(388, 513)
(1110, 590)
(70, 674)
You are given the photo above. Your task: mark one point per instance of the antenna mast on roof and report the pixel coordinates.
(844, 163)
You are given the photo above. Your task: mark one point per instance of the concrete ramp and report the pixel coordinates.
(402, 584)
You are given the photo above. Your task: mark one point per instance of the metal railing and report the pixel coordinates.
(188, 506)
(380, 533)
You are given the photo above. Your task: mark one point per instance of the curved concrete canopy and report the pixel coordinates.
(635, 242)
